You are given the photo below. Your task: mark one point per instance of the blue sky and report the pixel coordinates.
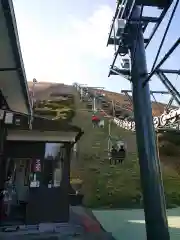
(65, 41)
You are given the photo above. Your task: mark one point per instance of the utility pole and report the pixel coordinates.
(33, 100)
(81, 94)
(151, 180)
(113, 108)
(94, 104)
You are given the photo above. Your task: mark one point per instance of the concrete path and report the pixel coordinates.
(92, 229)
(130, 224)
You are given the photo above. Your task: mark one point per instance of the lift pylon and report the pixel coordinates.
(126, 34)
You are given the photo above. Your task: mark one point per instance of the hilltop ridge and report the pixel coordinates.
(119, 98)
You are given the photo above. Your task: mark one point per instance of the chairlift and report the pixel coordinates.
(125, 63)
(89, 104)
(119, 26)
(116, 148)
(95, 120)
(101, 123)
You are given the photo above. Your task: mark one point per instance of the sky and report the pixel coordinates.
(65, 42)
(52, 149)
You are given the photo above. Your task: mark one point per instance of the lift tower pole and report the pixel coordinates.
(151, 181)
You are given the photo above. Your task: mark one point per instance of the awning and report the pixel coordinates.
(13, 83)
(41, 136)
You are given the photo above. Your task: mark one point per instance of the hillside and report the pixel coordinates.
(122, 100)
(53, 101)
(106, 185)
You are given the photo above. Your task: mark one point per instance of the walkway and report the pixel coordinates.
(129, 224)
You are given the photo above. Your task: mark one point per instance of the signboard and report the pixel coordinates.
(37, 166)
(9, 118)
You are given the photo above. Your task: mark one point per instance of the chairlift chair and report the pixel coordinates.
(125, 63)
(114, 143)
(101, 123)
(114, 152)
(119, 26)
(105, 104)
(89, 105)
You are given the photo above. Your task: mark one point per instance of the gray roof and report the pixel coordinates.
(13, 83)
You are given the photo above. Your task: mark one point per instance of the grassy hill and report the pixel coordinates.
(122, 100)
(105, 185)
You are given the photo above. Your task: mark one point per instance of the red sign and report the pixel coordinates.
(37, 165)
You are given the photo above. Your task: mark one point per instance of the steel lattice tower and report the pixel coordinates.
(126, 34)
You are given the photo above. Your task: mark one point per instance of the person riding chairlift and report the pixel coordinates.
(95, 120)
(121, 154)
(113, 154)
(117, 155)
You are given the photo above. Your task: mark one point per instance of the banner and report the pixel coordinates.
(37, 165)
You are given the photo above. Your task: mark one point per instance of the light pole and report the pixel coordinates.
(33, 91)
(32, 101)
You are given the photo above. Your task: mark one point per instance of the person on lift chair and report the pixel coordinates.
(95, 121)
(121, 153)
(114, 152)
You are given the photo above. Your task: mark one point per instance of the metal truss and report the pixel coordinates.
(169, 120)
(171, 114)
(117, 36)
(127, 36)
(118, 39)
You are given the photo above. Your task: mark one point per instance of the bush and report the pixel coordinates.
(56, 110)
(171, 181)
(168, 149)
(45, 112)
(173, 138)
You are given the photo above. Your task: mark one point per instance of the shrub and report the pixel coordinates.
(173, 138)
(168, 149)
(62, 109)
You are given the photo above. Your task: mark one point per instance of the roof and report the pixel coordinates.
(61, 127)
(41, 136)
(13, 84)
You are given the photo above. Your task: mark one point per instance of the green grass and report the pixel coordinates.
(105, 185)
(113, 186)
(118, 186)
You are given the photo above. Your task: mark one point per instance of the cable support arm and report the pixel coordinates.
(113, 21)
(165, 34)
(171, 50)
(156, 26)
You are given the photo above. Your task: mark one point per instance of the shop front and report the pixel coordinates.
(39, 173)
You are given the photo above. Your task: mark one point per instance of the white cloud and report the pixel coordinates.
(63, 56)
(92, 34)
